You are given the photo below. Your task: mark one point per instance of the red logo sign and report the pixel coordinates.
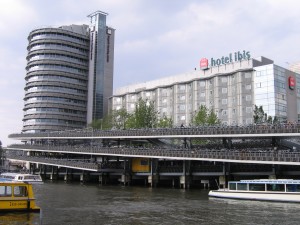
(291, 82)
(204, 64)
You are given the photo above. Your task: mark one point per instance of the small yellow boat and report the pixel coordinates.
(17, 196)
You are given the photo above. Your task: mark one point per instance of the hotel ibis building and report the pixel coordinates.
(69, 75)
(230, 85)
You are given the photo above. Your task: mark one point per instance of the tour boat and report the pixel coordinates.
(17, 196)
(28, 178)
(283, 190)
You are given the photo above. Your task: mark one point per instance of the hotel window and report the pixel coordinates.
(233, 111)
(202, 83)
(118, 99)
(148, 94)
(202, 94)
(248, 86)
(182, 118)
(247, 75)
(224, 90)
(258, 85)
(132, 97)
(249, 121)
(182, 107)
(164, 100)
(258, 73)
(224, 101)
(248, 97)
(248, 109)
(224, 79)
(131, 106)
(182, 87)
(182, 97)
(224, 112)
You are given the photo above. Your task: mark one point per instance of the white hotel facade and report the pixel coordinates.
(231, 88)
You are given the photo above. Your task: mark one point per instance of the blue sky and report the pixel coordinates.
(154, 38)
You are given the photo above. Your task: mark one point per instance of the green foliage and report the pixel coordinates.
(205, 116)
(165, 122)
(260, 117)
(119, 118)
(144, 115)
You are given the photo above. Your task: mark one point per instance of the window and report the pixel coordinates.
(247, 75)
(182, 118)
(182, 97)
(224, 101)
(275, 187)
(232, 186)
(202, 83)
(224, 90)
(248, 86)
(20, 191)
(148, 94)
(182, 107)
(233, 111)
(248, 97)
(242, 186)
(258, 85)
(182, 87)
(224, 79)
(256, 187)
(202, 94)
(5, 190)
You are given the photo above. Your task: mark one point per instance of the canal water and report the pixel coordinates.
(75, 203)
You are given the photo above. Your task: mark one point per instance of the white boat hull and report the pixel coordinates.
(262, 196)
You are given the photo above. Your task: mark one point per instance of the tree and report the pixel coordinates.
(119, 118)
(212, 118)
(165, 122)
(144, 115)
(259, 116)
(205, 116)
(200, 118)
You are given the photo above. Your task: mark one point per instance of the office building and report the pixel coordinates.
(69, 75)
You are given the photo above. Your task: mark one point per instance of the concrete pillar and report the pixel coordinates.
(84, 177)
(54, 174)
(153, 180)
(68, 176)
(125, 179)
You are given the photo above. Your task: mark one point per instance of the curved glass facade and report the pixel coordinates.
(56, 79)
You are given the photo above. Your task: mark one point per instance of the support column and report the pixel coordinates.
(54, 174)
(68, 176)
(84, 177)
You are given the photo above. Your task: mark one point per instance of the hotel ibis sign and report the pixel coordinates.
(231, 57)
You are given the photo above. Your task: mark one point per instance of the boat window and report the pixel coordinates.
(275, 187)
(5, 190)
(256, 187)
(293, 187)
(20, 191)
(20, 178)
(232, 186)
(242, 187)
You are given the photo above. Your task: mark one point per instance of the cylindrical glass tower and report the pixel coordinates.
(56, 79)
